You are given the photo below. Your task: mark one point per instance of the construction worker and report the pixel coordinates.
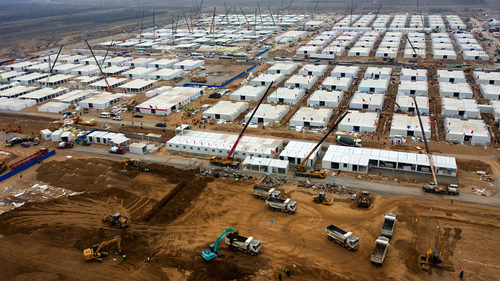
(279, 277)
(380, 172)
(149, 261)
(287, 271)
(124, 258)
(451, 200)
(20, 175)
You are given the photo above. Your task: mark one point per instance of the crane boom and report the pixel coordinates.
(187, 23)
(302, 164)
(260, 14)
(420, 63)
(213, 20)
(100, 69)
(375, 19)
(223, 17)
(271, 13)
(249, 25)
(246, 125)
(236, 12)
(312, 14)
(52, 67)
(102, 64)
(431, 161)
(126, 37)
(142, 24)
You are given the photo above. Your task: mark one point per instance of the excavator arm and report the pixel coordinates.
(213, 249)
(116, 239)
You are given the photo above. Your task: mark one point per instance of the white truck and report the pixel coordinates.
(282, 205)
(341, 237)
(388, 226)
(380, 250)
(264, 193)
(246, 245)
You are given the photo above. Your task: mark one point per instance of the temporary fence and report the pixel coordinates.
(26, 166)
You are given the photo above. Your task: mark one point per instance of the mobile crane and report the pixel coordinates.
(301, 170)
(213, 249)
(420, 63)
(434, 187)
(95, 252)
(100, 69)
(217, 160)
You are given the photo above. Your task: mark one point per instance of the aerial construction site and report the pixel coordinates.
(222, 141)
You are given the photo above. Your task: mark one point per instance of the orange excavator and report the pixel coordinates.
(95, 252)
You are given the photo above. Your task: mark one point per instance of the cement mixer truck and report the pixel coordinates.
(347, 141)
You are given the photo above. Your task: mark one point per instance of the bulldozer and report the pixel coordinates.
(364, 199)
(321, 198)
(95, 252)
(115, 220)
(130, 163)
(3, 167)
(432, 258)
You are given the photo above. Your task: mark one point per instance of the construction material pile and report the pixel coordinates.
(215, 96)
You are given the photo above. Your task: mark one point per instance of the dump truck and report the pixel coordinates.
(240, 243)
(380, 250)
(452, 189)
(364, 199)
(30, 158)
(118, 149)
(282, 205)
(78, 121)
(345, 239)
(115, 220)
(220, 161)
(264, 193)
(65, 144)
(388, 226)
(347, 141)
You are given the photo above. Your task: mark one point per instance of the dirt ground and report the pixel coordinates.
(175, 215)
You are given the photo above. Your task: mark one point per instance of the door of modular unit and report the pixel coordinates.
(355, 128)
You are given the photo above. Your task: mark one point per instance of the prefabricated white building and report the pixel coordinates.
(314, 70)
(248, 93)
(53, 107)
(66, 68)
(44, 94)
(268, 114)
(475, 55)
(406, 104)
(325, 98)
(282, 68)
(301, 81)
(463, 108)
(345, 71)
(358, 52)
(490, 92)
(311, 117)
(286, 95)
(408, 74)
(101, 101)
(487, 78)
(307, 50)
(357, 121)
(445, 54)
(115, 70)
(137, 86)
(266, 79)
(163, 63)
(451, 76)
(113, 83)
(139, 62)
(408, 126)
(419, 88)
(296, 151)
(335, 83)
(378, 73)
(496, 109)
(457, 90)
(16, 91)
(473, 131)
(31, 78)
(139, 72)
(15, 104)
(189, 64)
(265, 165)
(366, 101)
(166, 74)
(225, 110)
(373, 85)
(138, 148)
(170, 101)
(86, 70)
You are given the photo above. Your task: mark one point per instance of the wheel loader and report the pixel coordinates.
(321, 198)
(116, 220)
(95, 252)
(364, 199)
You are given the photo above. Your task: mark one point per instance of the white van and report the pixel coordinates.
(105, 115)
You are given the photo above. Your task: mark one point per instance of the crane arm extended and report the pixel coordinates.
(312, 14)
(250, 119)
(102, 64)
(52, 67)
(431, 162)
(142, 24)
(213, 20)
(302, 164)
(271, 13)
(260, 14)
(418, 58)
(217, 242)
(126, 37)
(375, 19)
(249, 25)
(100, 69)
(223, 17)
(116, 239)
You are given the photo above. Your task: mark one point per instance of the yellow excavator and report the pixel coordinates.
(131, 104)
(301, 170)
(130, 163)
(321, 198)
(432, 258)
(95, 252)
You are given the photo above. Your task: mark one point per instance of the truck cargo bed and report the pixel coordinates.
(275, 200)
(333, 228)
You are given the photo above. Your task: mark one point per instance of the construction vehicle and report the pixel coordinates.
(380, 250)
(301, 170)
(117, 76)
(434, 187)
(432, 258)
(118, 149)
(468, 68)
(109, 89)
(264, 193)
(345, 239)
(79, 121)
(246, 245)
(197, 78)
(3, 167)
(364, 199)
(347, 141)
(420, 63)
(131, 104)
(217, 160)
(321, 198)
(41, 151)
(95, 253)
(213, 249)
(130, 163)
(388, 225)
(282, 205)
(115, 220)
(66, 144)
